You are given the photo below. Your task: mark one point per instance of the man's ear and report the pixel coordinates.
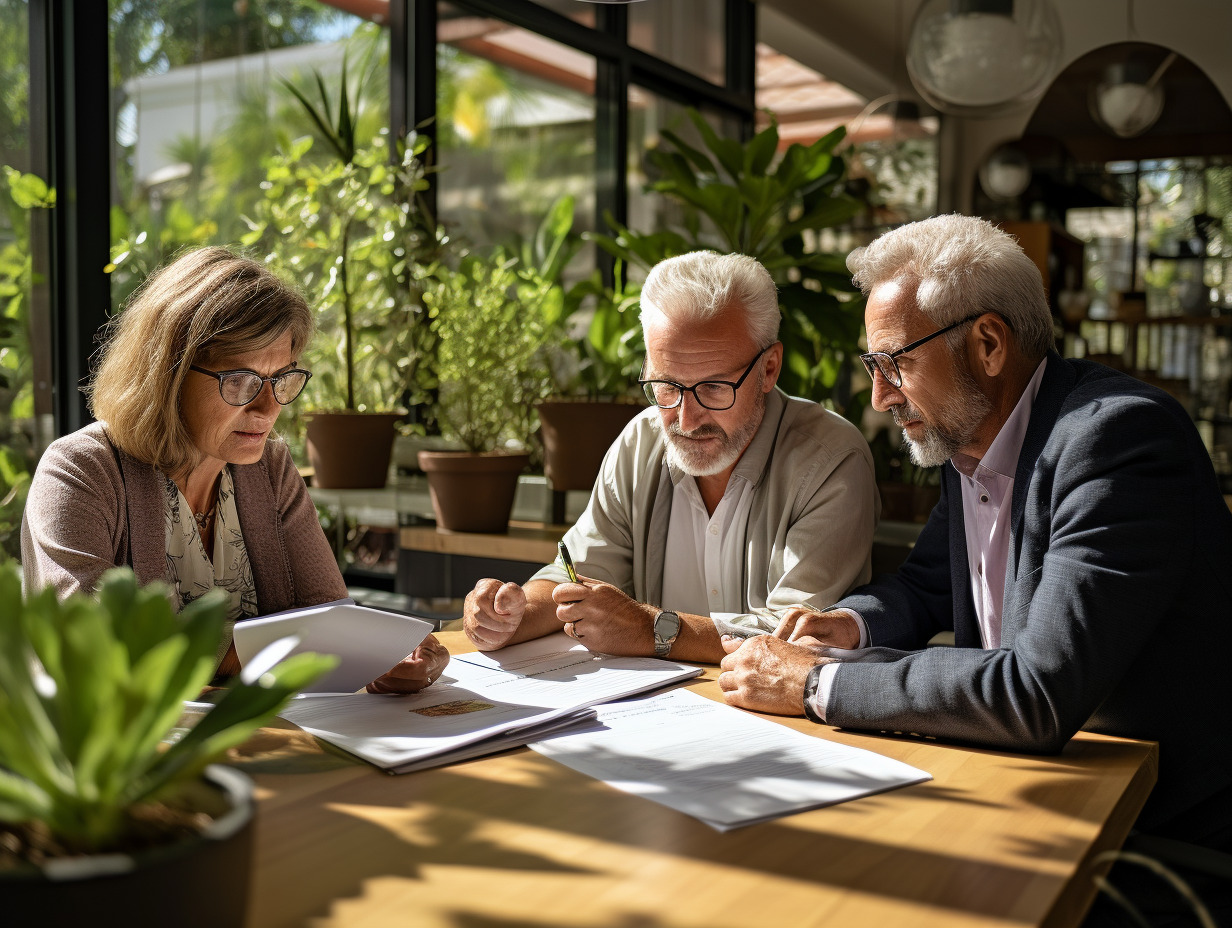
(990, 344)
(773, 361)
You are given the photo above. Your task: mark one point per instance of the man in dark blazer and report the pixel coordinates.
(1081, 552)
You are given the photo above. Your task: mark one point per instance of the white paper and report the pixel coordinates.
(719, 764)
(368, 641)
(503, 697)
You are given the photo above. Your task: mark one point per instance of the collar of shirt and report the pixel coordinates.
(995, 470)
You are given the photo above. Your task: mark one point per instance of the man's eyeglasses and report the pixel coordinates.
(712, 394)
(884, 361)
(241, 387)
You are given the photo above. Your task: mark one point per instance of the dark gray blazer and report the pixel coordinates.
(1117, 615)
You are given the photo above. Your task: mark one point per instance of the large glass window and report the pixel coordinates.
(200, 105)
(515, 128)
(688, 33)
(25, 341)
(649, 115)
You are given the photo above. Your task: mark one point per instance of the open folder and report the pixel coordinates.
(367, 641)
(483, 703)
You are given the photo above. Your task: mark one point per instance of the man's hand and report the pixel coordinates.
(492, 613)
(819, 629)
(413, 673)
(766, 673)
(604, 619)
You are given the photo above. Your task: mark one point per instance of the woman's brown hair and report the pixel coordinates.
(205, 304)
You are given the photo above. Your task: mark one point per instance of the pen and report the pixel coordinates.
(567, 561)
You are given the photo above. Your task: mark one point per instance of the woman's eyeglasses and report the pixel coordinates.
(241, 387)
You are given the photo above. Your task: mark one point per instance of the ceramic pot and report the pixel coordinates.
(472, 492)
(576, 436)
(196, 882)
(350, 450)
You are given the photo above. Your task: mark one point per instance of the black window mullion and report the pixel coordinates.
(412, 78)
(70, 110)
(611, 133)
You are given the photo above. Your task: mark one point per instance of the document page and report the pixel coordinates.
(477, 699)
(557, 670)
(719, 764)
(368, 641)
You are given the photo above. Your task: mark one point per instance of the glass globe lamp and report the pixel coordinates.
(983, 57)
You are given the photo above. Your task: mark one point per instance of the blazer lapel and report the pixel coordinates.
(966, 627)
(1058, 381)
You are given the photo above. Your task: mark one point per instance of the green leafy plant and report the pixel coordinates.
(91, 688)
(737, 198)
(350, 229)
(492, 317)
(610, 348)
(23, 193)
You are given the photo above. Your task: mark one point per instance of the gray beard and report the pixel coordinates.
(696, 463)
(955, 428)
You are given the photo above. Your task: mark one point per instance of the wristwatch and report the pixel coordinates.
(666, 628)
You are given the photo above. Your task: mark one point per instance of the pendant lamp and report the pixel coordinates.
(983, 57)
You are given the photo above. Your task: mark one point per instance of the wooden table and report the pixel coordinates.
(517, 840)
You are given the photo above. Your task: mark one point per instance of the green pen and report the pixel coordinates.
(567, 560)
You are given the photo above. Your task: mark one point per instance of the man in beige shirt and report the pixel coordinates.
(718, 508)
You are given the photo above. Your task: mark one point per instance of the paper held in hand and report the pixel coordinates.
(482, 703)
(368, 641)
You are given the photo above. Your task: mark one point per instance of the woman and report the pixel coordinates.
(182, 478)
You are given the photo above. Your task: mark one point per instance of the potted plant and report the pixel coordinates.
(736, 198)
(351, 231)
(594, 396)
(908, 492)
(492, 367)
(104, 813)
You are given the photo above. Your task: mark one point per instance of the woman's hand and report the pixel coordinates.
(412, 674)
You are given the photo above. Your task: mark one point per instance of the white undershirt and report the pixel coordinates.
(703, 568)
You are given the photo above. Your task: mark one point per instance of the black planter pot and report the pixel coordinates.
(201, 881)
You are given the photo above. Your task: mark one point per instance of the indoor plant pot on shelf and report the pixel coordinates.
(599, 395)
(351, 230)
(101, 819)
(492, 369)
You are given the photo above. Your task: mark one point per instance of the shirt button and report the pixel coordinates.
(983, 497)
(714, 592)
(714, 530)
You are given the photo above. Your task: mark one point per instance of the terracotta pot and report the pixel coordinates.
(906, 502)
(472, 492)
(576, 435)
(198, 881)
(350, 450)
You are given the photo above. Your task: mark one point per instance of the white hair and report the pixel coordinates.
(701, 285)
(962, 265)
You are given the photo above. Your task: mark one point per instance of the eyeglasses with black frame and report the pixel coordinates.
(241, 387)
(884, 361)
(712, 394)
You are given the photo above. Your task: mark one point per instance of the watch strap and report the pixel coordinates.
(810, 693)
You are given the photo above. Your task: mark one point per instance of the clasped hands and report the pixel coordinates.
(767, 673)
(598, 614)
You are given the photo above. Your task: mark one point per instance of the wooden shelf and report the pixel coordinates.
(533, 542)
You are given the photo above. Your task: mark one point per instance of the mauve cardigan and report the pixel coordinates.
(92, 507)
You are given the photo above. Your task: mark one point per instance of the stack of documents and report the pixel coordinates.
(719, 764)
(484, 702)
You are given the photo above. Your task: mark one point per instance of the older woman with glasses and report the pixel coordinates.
(182, 477)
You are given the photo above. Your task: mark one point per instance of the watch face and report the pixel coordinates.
(666, 626)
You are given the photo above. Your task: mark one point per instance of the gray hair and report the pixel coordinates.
(962, 265)
(701, 285)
